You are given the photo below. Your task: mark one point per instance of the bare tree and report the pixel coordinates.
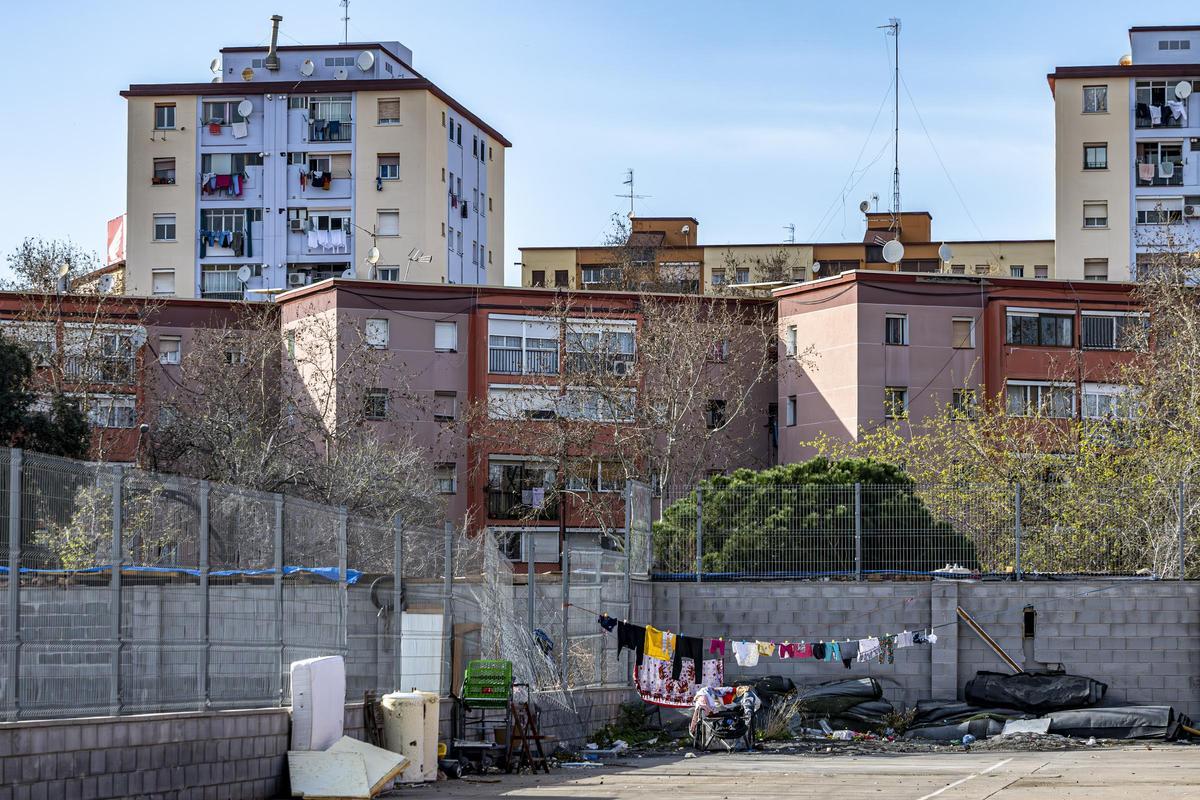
(294, 412)
(37, 264)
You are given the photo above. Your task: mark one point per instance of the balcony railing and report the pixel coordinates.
(511, 361)
(600, 363)
(1168, 121)
(1176, 178)
(329, 130)
(100, 369)
(521, 504)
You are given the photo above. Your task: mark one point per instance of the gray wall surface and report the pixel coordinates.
(1141, 638)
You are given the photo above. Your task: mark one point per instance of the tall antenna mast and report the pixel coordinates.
(630, 196)
(791, 229)
(893, 29)
(345, 4)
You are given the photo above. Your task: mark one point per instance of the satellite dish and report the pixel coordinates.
(215, 66)
(216, 79)
(373, 256)
(864, 206)
(247, 74)
(341, 74)
(244, 273)
(816, 267)
(348, 272)
(1183, 90)
(105, 284)
(365, 60)
(893, 251)
(64, 268)
(306, 67)
(245, 107)
(945, 253)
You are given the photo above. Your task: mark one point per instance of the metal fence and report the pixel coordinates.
(718, 531)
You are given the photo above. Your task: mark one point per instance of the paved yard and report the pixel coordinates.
(1164, 771)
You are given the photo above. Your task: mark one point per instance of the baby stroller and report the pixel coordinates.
(724, 719)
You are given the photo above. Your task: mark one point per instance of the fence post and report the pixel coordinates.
(858, 573)
(448, 609)
(205, 652)
(699, 532)
(278, 591)
(563, 661)
(398, 605)
(1182, 531)
(1017, 530)
(115, 590)
(12, 697)
(531, 599)
(343, 586)
(628, 556)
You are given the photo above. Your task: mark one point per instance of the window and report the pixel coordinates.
(389, 112)
(714, 414)
(962, 402)
(895, 402)
(387, 222)
(291, 344)
(459, 240)
(1043, 329)
(561, 279)
(339, 61)
(1159, 210)
(1030, 399)
(1108, 401)
(297, 159)
(1095, 156)
(790, 341)
(221, 112)
(168, 349)
(389, 167)
(474, 252)
(111, 411)
(452, 129)
(538, 278)
(387, 66)
(445, 337)
(1174, 44)
(1041, 271)
(235, 356)
(376, 333)
(596, 348)
(790, 417)
(895, 329)
(164, 227)
(164, 172)
(741, 275)
(296, 102)
(1095, 99)
(445, 478)
(718, 277)
(232, 220)
(489, 204)
(445, 406)
(1156, 95)
(1095, 214)
(1098, 331)
(958, 269)
(383, 273)
(459, 138)
(1095, 269)
(1159, 164)
(376, 403)
(229, 163)
(982, 269)
(962, 333)
(164, 116)
(162, 282)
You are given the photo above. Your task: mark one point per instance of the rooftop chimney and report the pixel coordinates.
(271, 62)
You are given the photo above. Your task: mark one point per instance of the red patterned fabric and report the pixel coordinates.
(653, 681)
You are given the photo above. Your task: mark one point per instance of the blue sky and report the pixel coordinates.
(748, 116)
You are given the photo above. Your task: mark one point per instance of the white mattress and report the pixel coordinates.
(318, 702)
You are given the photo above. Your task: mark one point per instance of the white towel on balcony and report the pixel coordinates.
(312, 240)
(239, 130)
(323, 239)
(1146, 172)
(337, 239)
(1166, 169)
(1178, 109)
(1155, 115)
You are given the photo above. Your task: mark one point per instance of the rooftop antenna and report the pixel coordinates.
(630, 195)
(893, 29)
(345, 4)
(791, 235)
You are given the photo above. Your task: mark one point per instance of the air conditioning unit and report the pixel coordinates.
(297, 279)
(1191, 211)
(620, 368)
(296, 225)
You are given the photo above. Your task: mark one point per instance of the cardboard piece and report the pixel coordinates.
(383, 766)
(1026, 726)
(328, 775)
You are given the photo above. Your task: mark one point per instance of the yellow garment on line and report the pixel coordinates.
(659, 644)
(766, 648)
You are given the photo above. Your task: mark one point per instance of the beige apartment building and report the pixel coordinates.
(301, 163)
(1127, 136)
(667, 250)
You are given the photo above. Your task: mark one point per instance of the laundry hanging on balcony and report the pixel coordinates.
(239, 130)
(319, 128)
(1155, 114)
(1178, 110)
(1146, 172)
(1166, 169)
(231, 185)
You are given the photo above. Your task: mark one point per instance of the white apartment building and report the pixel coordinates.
(299, 163)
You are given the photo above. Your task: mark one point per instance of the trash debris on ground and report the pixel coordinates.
(1038, 692)
(348, 769)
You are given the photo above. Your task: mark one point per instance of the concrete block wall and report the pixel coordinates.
(1141, 638)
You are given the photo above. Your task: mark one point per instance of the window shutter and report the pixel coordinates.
(377, 333)
(389, 110)
(388, 223)
(961, 333)
(445, 336)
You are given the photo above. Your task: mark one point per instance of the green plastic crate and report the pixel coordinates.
(487, 684)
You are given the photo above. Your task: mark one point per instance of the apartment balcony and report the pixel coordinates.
(97, 369)
(511, 361)
(1175, 179)
(521, 504)
(331, 130)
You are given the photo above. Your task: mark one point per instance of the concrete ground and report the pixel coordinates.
(1162, 771)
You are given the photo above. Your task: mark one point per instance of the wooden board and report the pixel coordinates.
(383, 766)
(328, 776)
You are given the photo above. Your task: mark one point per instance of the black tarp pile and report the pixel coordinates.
(1067, 701)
